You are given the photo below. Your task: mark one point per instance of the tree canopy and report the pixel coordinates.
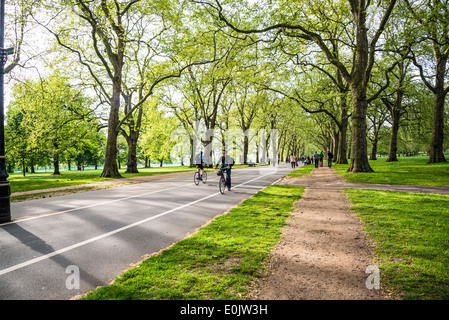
(359, 78)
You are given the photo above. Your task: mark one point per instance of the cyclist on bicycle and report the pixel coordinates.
(199, 162)
(226, 163)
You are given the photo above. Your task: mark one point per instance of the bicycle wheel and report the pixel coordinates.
(196, 178)
(204, 177)
(222, 185)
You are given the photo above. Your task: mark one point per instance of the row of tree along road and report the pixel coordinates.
(325, 74)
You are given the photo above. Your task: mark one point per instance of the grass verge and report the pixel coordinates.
(49, 194)
(220, 261)
(411, 232)
(406, 171)
(300, 172)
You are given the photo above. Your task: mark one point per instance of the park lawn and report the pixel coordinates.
(411, 235)
(47, 180)
(300, 172)
(406, 171)
(220, 261)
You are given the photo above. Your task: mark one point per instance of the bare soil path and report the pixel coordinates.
(323, 254)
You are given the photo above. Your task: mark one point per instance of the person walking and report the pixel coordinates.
(321, 158)
(316, 157)
(330, 156)
(292, 161)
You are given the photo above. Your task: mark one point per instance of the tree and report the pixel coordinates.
(177, 98)
(156, 140)
(109, 39)
(292, 23)
(433, 37)
(106, 22)
(397, 110)
(317, 90)
(17, 135)
(48, 114)
(18, 13)
(377, 117)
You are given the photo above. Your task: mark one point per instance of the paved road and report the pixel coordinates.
(101, 233)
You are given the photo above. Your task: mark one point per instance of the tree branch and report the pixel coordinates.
(155, 83)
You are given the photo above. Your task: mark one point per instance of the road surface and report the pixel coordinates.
(60, 247)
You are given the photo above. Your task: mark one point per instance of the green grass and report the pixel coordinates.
(46, 180)
(411, 232)
(300, 172)
(219, 261)
(406, 171)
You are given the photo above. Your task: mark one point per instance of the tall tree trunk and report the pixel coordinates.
(23, 167)
(437, 12)
(396, 112)
(192, 151)
(56, 159)
(341, 144)
(359, 157)
(110, 164)
(342, 140)
(359, 80)
(134, 123)
(373, 155)
(436, 145)
(132, 138)
(207, 146)
(393, 148)
(257, 150)
(131, 164)
(245, 149)
(349, 150)
(56, 163)
(334, 144)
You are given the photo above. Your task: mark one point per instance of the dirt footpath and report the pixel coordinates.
(322, 255)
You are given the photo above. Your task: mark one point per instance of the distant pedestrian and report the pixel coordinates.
(330, 156)
(321, 158)
(292, 161)
(316, 157)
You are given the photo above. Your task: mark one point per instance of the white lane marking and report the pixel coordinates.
(89, 206)
(99, 204)
(253, 187)
(82, 243)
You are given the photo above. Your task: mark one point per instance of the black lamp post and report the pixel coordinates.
(5, 190)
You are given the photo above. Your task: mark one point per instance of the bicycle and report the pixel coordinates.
(222, 181)
(197, 177)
